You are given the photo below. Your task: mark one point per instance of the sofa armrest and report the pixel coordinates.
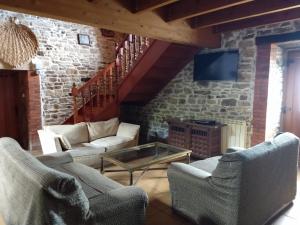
(128, 204)
(55, 159)
(50, 143)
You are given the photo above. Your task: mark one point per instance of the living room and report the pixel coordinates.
(127, 76)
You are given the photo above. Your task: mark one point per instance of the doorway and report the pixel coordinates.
(277, 87)
(291, 98)
(275, 91)
(13, 106)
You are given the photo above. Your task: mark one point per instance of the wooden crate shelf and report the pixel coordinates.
(203, 140)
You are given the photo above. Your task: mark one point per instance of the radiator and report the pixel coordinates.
(234, 134)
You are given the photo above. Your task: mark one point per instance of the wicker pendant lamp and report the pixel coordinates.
(18, 44)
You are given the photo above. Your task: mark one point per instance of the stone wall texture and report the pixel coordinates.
(184, 98)
(61, 61)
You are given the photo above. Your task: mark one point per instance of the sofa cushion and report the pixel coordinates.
(92, 182)
(103, 128)
(112, 142)
(52, 160)
(128, 130)
(75, 134)
(81, 150)
(87, 154)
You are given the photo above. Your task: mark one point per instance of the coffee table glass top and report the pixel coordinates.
(146, 155)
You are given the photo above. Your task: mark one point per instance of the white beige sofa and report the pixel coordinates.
(87, 140)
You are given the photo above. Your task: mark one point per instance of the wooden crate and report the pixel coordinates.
(203, 140)
(178, 134)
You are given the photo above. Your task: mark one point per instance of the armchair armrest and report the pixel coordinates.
(50, 143)
(55, 159)
(234, 149)
(187, 171)
(127, 203)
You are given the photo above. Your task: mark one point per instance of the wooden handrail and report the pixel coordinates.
(93, 79)
(102, 88)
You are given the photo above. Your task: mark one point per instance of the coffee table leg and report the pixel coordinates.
(188, 158)
(102, 165)
(131, 178)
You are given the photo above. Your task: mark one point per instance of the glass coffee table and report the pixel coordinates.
(142, 157)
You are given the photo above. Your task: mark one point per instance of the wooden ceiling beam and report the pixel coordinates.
(190, 8)
(148, 5)
(111, 14)
(245, 11)
(258, 21)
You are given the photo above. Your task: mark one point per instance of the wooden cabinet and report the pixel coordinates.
(203, 140)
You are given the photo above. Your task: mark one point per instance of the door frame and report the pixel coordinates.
(286, 89)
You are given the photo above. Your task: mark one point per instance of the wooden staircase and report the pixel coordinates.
(170, 62)
(142, 68)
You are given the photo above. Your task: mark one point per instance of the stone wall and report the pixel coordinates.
(61, 61)
(184, 98)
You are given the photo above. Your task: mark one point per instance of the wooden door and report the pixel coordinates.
(291, 109)
(13, 115)
(8, 116)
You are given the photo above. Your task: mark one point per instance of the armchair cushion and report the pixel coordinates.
(128, 130)
(75, 133)
(103, 128)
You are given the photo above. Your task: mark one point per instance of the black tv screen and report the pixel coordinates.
(216, 66)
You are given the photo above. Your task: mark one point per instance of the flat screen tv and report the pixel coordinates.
(216, 66)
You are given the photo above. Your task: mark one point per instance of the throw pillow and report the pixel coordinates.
(65, 144)
(128, 130)
(74, 134)
(103, 128)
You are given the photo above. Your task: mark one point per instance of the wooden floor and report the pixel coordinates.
(159, 212)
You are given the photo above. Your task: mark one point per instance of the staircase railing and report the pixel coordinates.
(102, 88)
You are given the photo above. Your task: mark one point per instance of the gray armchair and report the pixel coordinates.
(243, 187)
